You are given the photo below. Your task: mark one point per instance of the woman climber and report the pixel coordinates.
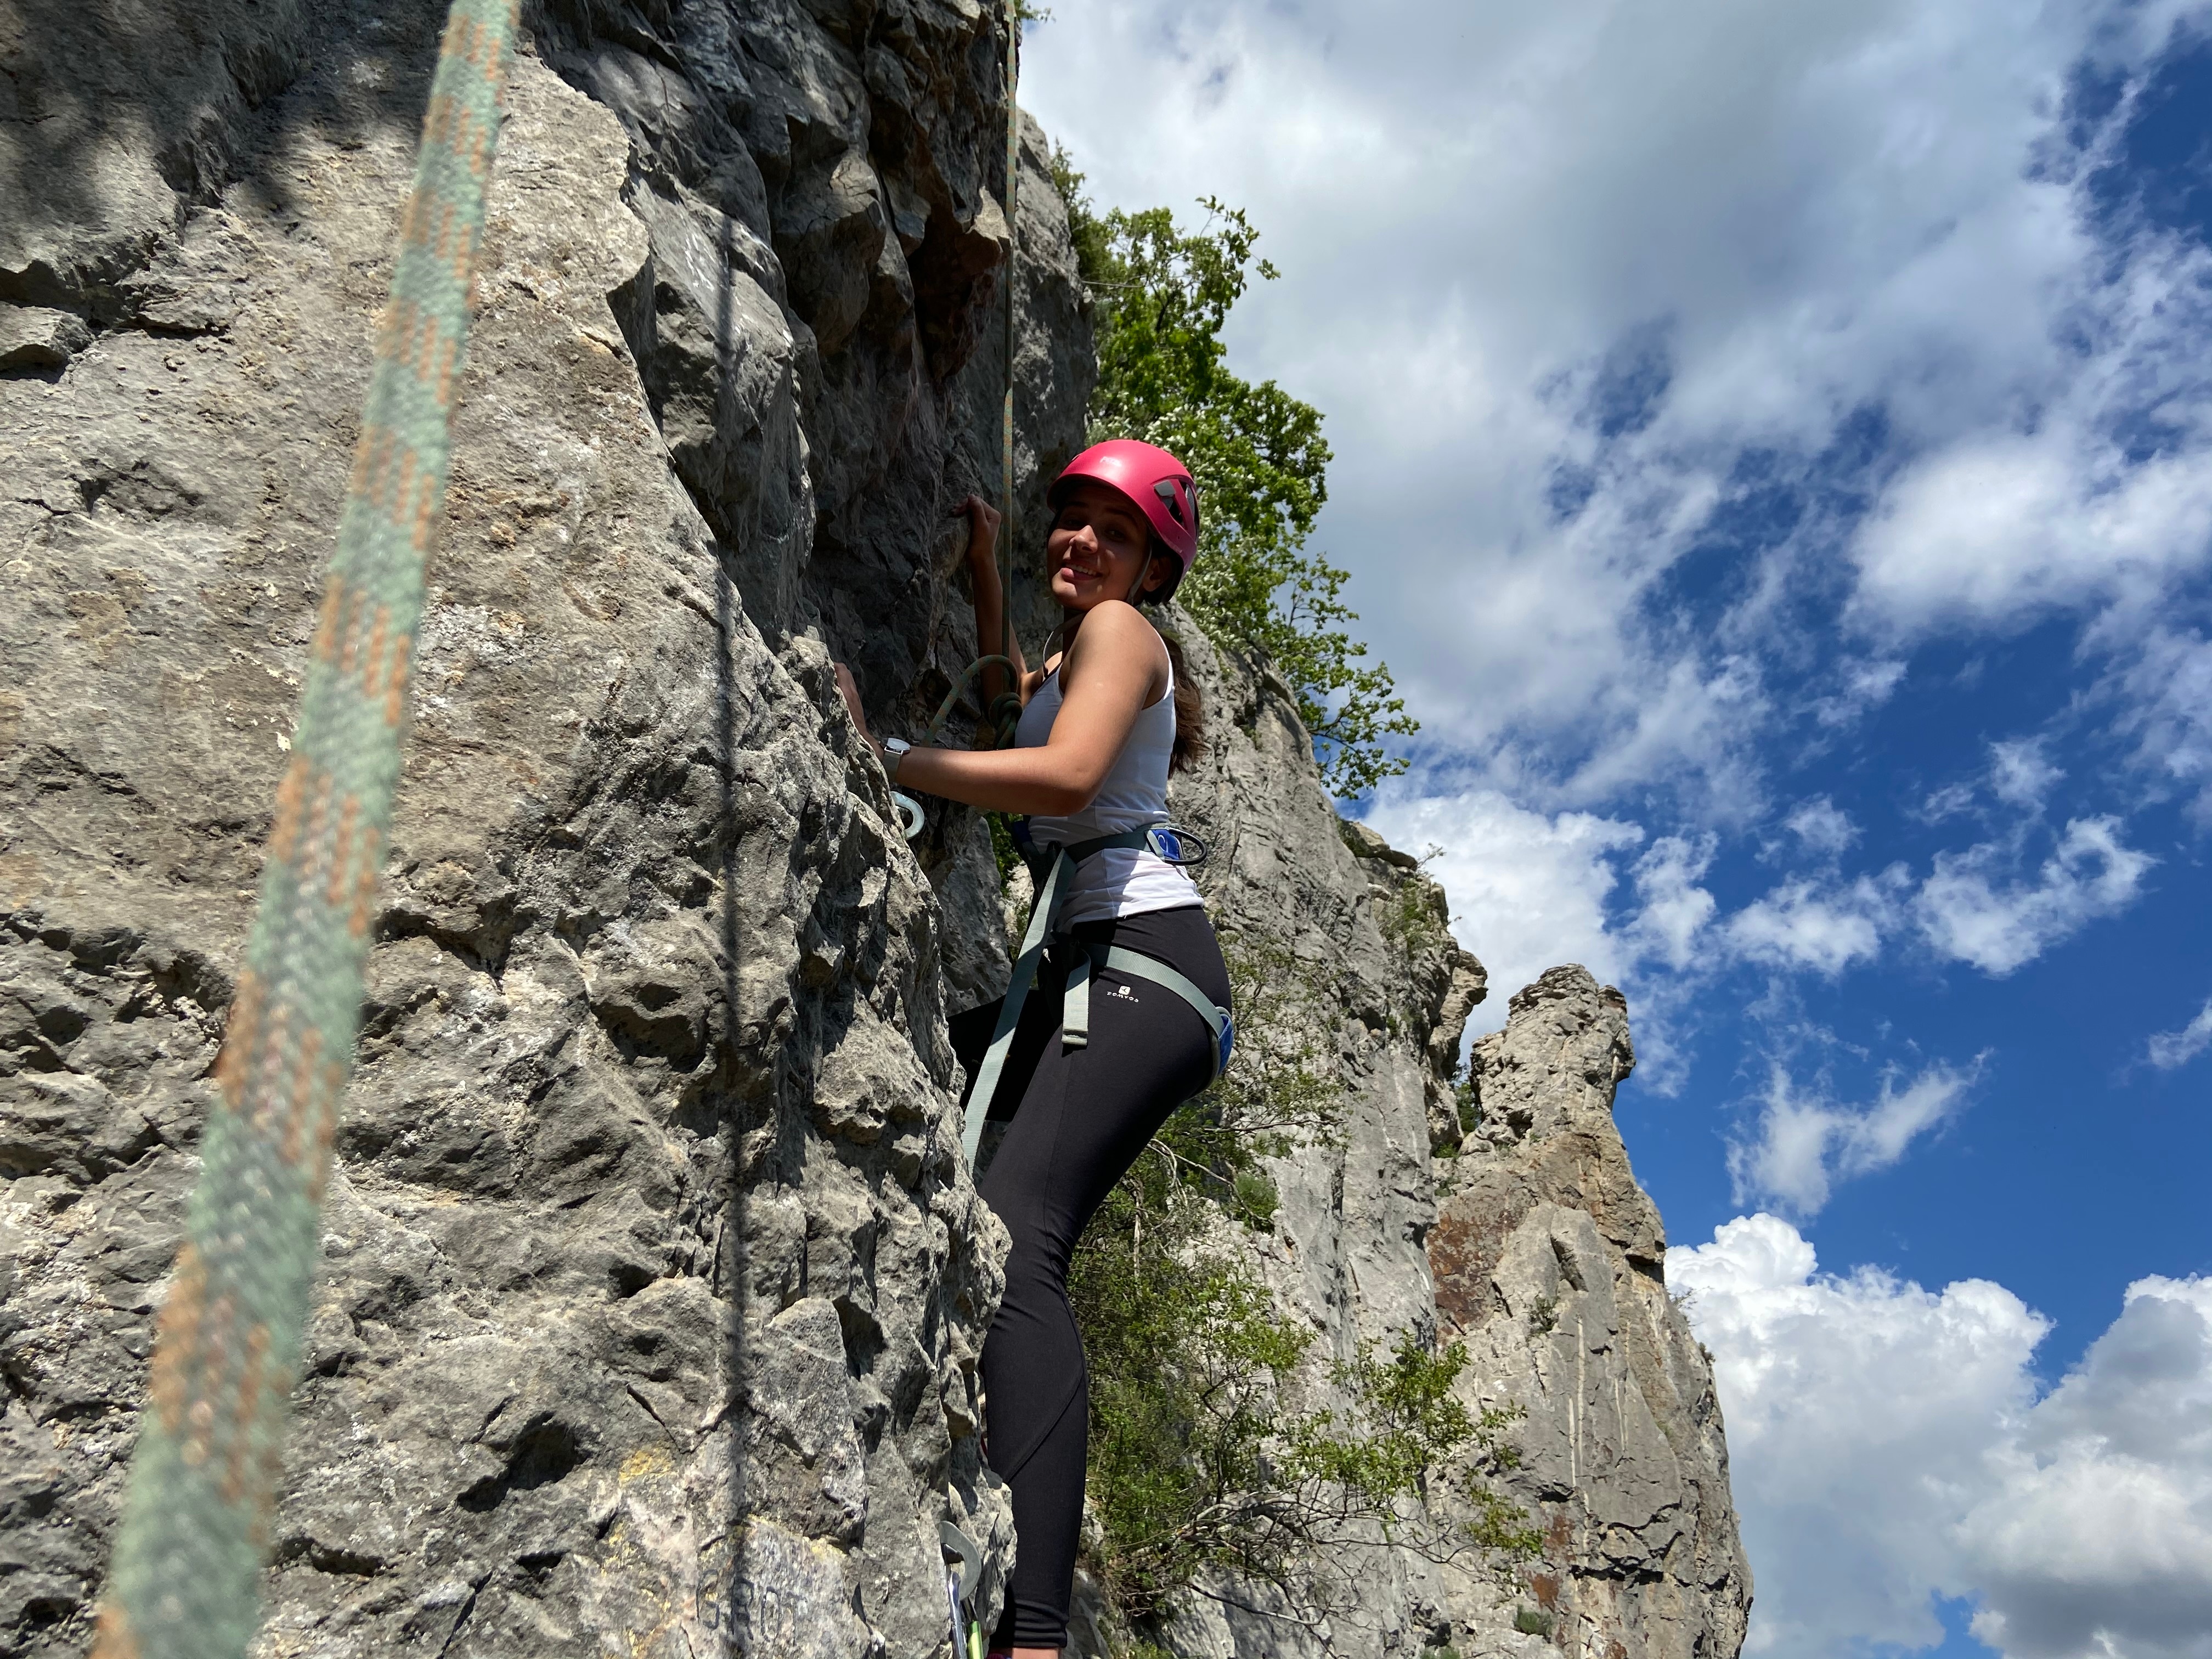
(1102, 723)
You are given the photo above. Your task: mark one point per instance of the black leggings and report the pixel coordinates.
(1080, 1116)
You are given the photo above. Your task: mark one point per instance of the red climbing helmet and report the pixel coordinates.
(1157, 484)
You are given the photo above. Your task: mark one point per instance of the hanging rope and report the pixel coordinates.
(1014, 251)
(1006, 707)
(187, 1582)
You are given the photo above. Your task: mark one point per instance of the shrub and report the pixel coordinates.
(1200, 1463)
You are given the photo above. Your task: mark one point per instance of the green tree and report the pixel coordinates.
(1164, 295)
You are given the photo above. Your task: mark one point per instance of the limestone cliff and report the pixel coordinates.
(654, 1279)
(1549, 1263)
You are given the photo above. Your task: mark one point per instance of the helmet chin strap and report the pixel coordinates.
(1137, 587)
(1144, 573)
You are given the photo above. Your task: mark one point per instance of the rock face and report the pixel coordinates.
(654, 1282)
(1549, 1261)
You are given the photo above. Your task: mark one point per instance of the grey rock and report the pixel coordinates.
(37, 336)
(1549, 1263)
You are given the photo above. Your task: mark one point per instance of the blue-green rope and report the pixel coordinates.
(186, 1580)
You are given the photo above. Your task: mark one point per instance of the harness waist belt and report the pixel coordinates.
(1075, 1004)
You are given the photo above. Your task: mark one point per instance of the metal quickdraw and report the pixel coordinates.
(960, 1586)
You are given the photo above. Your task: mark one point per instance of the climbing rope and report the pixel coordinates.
(186, 1579)
(1014, 251)
(1005, 715)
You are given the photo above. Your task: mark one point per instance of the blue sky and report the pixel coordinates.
(1774, 453)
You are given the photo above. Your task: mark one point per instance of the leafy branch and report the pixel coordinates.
(1164, 296)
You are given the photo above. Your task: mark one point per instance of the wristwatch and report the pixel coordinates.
(896, 748)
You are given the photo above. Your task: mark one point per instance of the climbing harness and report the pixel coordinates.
(186, 1579)
(1053, 863)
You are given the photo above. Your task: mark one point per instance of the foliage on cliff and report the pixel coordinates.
(1201, 1461)
(1164, 295)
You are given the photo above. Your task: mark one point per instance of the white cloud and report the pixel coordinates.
(1824, 829)
(1554, 273)
(1866, 686)
(1806, 1141)
(2169, 1050)
(1531, 889)
(1951, 800)
(2097, 1537)
(1824, 927)
(1887, 1446)
(2169, 687)
(1860, 1411)
(2021, 774)
(1994, 528)
(1999, 927)
(1974, 907)
(1674, 908)
(1528, 891)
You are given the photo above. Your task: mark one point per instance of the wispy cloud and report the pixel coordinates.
(1806, 1140)
(1826, 927)
(1970, 911)
(1822, 828)
(1673, 909)
(1530, 889)
(2167, 695)
(2170, 1050)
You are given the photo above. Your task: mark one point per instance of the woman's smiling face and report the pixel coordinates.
(1100, 548)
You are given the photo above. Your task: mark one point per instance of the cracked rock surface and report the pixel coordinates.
(1549, 1263)
(653, 1280)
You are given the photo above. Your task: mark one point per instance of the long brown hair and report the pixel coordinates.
(1190, 712)
(1189, 706)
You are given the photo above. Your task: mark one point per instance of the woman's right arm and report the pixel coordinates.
(991, 637)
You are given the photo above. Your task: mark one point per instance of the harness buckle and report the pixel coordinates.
(1176, 846)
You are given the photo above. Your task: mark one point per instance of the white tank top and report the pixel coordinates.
(1123, 881)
